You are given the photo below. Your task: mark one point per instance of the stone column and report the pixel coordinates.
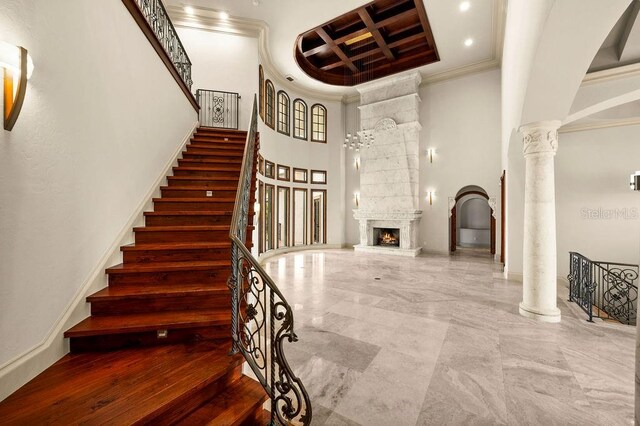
(539, 298)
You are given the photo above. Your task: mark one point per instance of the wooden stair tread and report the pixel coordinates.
(181, 228)
(96, 325)
(125, 268)
(176, 246)
(195, 200)
(237, 149)
(200, 188)
(121, 387)
(143, 291)
(231, 407)
(204, 178)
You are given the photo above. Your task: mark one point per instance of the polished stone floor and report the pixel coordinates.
(438, 340)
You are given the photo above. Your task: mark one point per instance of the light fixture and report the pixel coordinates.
(635, 181)
(468, 42)
(430, 153)
(189, 10)
(357, 163)
(361, 139)
(224, 15)
(256, 207)
(18, 67)
(256, 2)
(430, 195)
(356, 198)
(464, 6)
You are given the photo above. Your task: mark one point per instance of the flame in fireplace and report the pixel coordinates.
(388, 238)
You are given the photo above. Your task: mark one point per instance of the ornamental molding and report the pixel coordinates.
(452, 204)
(360, 214)
(540, 138)
(385, 125)
(492, 205)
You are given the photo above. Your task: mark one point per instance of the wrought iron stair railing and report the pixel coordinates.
(218, 108)
(262, 320)
(604, 290)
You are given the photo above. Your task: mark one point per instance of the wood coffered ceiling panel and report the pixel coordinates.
(381, 38)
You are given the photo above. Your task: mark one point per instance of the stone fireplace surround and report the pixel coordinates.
(389, 169)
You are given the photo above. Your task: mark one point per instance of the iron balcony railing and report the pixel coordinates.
(262, 320)
(604, 290)
(218, 109)
(158, 19)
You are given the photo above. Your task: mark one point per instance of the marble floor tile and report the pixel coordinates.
(438, 340)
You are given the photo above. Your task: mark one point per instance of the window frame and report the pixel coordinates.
(325, 127)
(261, 91)
(315, 182)
(306, 175)
(269, 165)
(287, 178)
(270, 105)
(286, 115)
(304, 119)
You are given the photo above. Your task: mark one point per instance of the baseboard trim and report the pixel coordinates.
(279, 252)
(24, 367)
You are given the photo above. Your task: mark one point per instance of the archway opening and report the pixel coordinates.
(472, 221)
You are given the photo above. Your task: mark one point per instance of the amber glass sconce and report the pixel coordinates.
(17, 66)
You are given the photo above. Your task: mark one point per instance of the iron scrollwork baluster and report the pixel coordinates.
(262, 320)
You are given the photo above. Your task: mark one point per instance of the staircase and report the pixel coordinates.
(155, 348)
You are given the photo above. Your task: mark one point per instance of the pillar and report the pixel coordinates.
(539, 298)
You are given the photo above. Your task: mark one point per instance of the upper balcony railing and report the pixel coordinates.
(604, 289)
(218, 108)
(154, 21)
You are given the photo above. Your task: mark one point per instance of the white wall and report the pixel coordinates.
(597, 214)
(223, 62)
(461, 119)
(101, 119)
(286, 150)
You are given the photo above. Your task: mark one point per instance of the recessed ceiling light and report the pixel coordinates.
(224, 15)
(468, 42)
(464, 6)
(189, 10)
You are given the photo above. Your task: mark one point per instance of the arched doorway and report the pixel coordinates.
(472, 219)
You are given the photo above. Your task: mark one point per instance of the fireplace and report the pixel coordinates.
(387, 237)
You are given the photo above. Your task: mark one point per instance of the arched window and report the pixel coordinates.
(283, 112)
(270, 104)
(261, 91)
(318, 123)
(299, 119)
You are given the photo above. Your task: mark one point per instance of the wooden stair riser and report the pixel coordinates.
(217, 141)
(204, 149)
(187, 220)
(136, 305)
(110, 342)
(196, 192)
(199, 181)
(213, 159)
(183, 255)
(203, 172)
(185, 236)
(169, 205)
(206, 162)
(213, 277)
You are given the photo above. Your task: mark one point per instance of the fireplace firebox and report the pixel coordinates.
(386, 237)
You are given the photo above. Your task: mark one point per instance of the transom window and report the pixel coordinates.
(318, 123)
(270, 104)
(299, 119)
(283, 112)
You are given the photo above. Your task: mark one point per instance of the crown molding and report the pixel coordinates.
(208, 19)
(625, 71)
(604, 124)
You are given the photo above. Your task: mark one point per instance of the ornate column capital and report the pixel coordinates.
(540, 137)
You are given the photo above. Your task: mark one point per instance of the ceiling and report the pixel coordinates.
(483, 23)
(373, 41)
(622, 45)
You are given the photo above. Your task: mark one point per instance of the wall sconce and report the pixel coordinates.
(357, 163)
(17, 66)
(256, 207)
(356, 198)
(635, 181)
(430, 195)
(430, 153)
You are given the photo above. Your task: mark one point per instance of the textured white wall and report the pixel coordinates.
(223, 62)
(101, 119)
(461, 119)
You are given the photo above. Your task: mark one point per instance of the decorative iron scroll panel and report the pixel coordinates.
(156, 15)
(604, 289)
(218, 109)
(262, 320)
